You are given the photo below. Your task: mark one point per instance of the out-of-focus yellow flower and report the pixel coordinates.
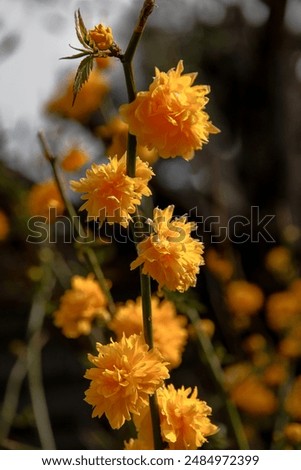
(44, 200)
(221, 267)
(295, 287)
(243, 298)
(80, 306)
(87, 102)
(254, 343)
(125, 373)
(290, 345)
(169, 329)
(292, 401)
(282, 310)
(292, 432)
(74, 159)
(184, 420)
(275, 373)
(110, 193)
(253, 397)
(4, 226)
(279, 261)
(101, 37)
(170, 255)
(205, 325)
(261, 359)
(103, 62)
(170, 116)
(115, 133)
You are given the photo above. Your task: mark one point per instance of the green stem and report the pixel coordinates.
(11, 397)
(34, 361)
(282, 417)
(146, 10)
(146, 308)
(131, 171)
(212, 363)
(89, 254)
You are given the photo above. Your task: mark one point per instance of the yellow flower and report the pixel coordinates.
(87, 101)
(115, 134)
(79, 306)
(170, 255)
(103, 62)
(4, 226)
(292, 432)
(254, 343)
(184, 420)
(292, 401)
(295, 287)
(290, 345)
(279, 261)
(243, 298)
(110, 193)
(276, 373)
(125, 373)
(282, 310)
(220, 266)
(170, 116)
(204, 325)
(74, 159)
(169, 331)
(100, 37)
(253, 397)
(44, 200)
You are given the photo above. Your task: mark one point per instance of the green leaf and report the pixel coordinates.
(82, 75)
(76, 56)
(80, 28)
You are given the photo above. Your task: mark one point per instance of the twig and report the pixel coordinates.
(89, 254)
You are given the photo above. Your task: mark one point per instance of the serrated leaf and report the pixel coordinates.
(80, 28)
(82, 75)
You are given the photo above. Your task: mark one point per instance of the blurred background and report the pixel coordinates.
(249, 52)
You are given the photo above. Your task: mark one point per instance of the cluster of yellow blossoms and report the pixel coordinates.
(124, 375)
(168, 120)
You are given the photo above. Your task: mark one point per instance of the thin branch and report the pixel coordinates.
(34, 361)
(89, 254)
